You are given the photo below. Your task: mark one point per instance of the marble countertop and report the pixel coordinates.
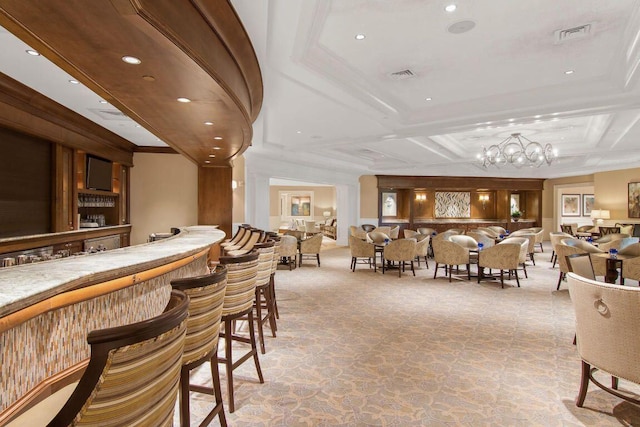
(24, 285)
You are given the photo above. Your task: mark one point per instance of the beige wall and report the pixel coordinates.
(164, 194)
(369, 197)
(611, 190)
(238, 194)
(324, 199)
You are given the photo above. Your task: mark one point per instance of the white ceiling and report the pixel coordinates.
(329, 100)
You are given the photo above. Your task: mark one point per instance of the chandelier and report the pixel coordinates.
(518, 151)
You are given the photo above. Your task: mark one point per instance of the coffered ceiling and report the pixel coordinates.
(420, 94)
(426, 89)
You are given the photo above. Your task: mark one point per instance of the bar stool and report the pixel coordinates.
(274, 268)
(263, 290)
(238, 303)
(206, 294)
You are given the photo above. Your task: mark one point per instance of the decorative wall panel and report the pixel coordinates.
(450, 204)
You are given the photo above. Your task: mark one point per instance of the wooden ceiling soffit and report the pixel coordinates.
(196, 49)
(462, 183)
(27, 111)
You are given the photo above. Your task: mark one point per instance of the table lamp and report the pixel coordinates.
(326, 214)
(599, 215)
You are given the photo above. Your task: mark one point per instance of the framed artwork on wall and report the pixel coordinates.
(298, 204)
(588, 200)
(389, 204)
(570, 205)
(634, 200)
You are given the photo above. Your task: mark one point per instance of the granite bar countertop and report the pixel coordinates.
(27, 284)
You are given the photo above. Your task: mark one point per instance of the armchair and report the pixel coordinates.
(607, 328)
(503, 257)
(447, 254)
(310, 247)
(363, 251)
(401, 251)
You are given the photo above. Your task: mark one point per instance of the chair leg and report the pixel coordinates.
(217, 392)
(229, 362)
(318, 256)
(468, 272)
(254, 350)
(185, 416)
(560, 280)
(553, 254)
(426, 262)
(273, 297)
(412, 269)
(533, 260)
(480, 272)
(353, 264)
(400, 266)
(502, 278)
(541, 248)
(435, 272)
(524, 267)
(584, 384)
(517, 279)
(258, 306)
(450, 270)
(614, 382)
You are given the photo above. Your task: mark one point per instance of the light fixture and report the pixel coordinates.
(326, 214)
(212, 155)
(599, 215)
(102, 101)
(360, 36)
(217, 138)
(484, 198)
(32, 52)
(428, 99)
(421, 197)
(451, 8)
(234, 184)
(131, 60)
(74, 82)
(185, 100)
(518, 151)
(208, 123)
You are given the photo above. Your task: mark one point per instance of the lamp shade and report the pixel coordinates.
(595, 213)
(326, 214)
(600, 214)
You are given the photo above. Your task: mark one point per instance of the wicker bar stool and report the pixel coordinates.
(238, 303)
(263, 290)
(206, 294)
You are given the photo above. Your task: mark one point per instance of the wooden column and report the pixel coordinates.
(215, 197)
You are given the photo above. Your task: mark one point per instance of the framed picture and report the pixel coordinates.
(634, 200)
(298, 204)
(588, 201)
(389, 204)
(570, 205)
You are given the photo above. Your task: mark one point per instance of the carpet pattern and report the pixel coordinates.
(366, 349)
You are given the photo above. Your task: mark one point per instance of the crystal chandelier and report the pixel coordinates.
(518, 151)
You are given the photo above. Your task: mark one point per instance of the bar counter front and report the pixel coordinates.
(47, 308)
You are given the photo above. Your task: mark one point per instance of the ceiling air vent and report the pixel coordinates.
(574, 33)
(109, 114)
(402, 75)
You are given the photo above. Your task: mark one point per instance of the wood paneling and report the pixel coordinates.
(459, 183)
(25, 184)
(189, 48)
(215, 197)
(65, 205)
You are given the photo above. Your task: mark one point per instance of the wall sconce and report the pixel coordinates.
(421, 198)
(235, 184)
(484, 198)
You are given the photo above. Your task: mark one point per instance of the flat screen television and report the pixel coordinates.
(98, 173)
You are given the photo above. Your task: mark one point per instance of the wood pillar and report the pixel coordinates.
(215, 197)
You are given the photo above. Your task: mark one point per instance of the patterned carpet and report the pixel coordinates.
(367, 349)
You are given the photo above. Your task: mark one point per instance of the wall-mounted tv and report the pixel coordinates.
(98, 173)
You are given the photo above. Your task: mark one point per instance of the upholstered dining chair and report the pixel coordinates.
(239, 242)
(555, 237)
(394, 233)
(409, 233)
(427, 230)
(617, 243)
(584, 231)
(288, 250)
(422, 248)
(599, 263)
(489, 232)
(607, 328)
(377, 237)
(368, 227)
(448, 254)
(531, 246)
(483, 238)
(384, 229)
(362, 251)
(401, 251)
(239, 299)
(571, 228)
(604, 230)
(132, 377)
(310, 226)
(567, 247)
(539, 233)
(503, 257)
(498, 229)
(310, 248)
(357, 232)
(580, 264)
(236, 237)
(525, 245)
(206, 297)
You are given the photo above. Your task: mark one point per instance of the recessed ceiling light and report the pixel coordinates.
(131, 60)
(73, 82)
(207, 161)
(299, 131)
(216, 148)
(217, 137)
(138, 126)
(185, 100)
(212, 155)
(32, 52)
(360, 36)
(511, 120)
(428, 98)
(208, 123)
(102, 101)
(537, 116)
(450, 8)
(569, 72)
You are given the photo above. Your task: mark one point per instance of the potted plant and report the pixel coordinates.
(515, 215)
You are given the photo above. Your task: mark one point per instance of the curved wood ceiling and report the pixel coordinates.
(197, 49)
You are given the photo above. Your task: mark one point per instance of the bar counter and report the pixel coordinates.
(47, 308)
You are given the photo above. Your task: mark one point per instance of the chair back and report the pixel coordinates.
(242, 272)
(556, 236)
(617, 243)
(409, 233)
(265, 262)
(607, 325)
(604, 230)
(449, 253)
(361, 248)
(427, 230)
(384, 229)
(288, 246)
(632, 249)
(497, 229)
(523, 241)
(608, 238)
(465, 241)
(422, 246)
(357, 232)
(582, 245)
(206, 297)
(580, 264)
(377, 237)
(368, 227)
(400, 250)
(311, 245)
(394, 233)
(562, 251)
(133, 374)
(309, 226)
(483, 238)
(569, 228)
(505, 256)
